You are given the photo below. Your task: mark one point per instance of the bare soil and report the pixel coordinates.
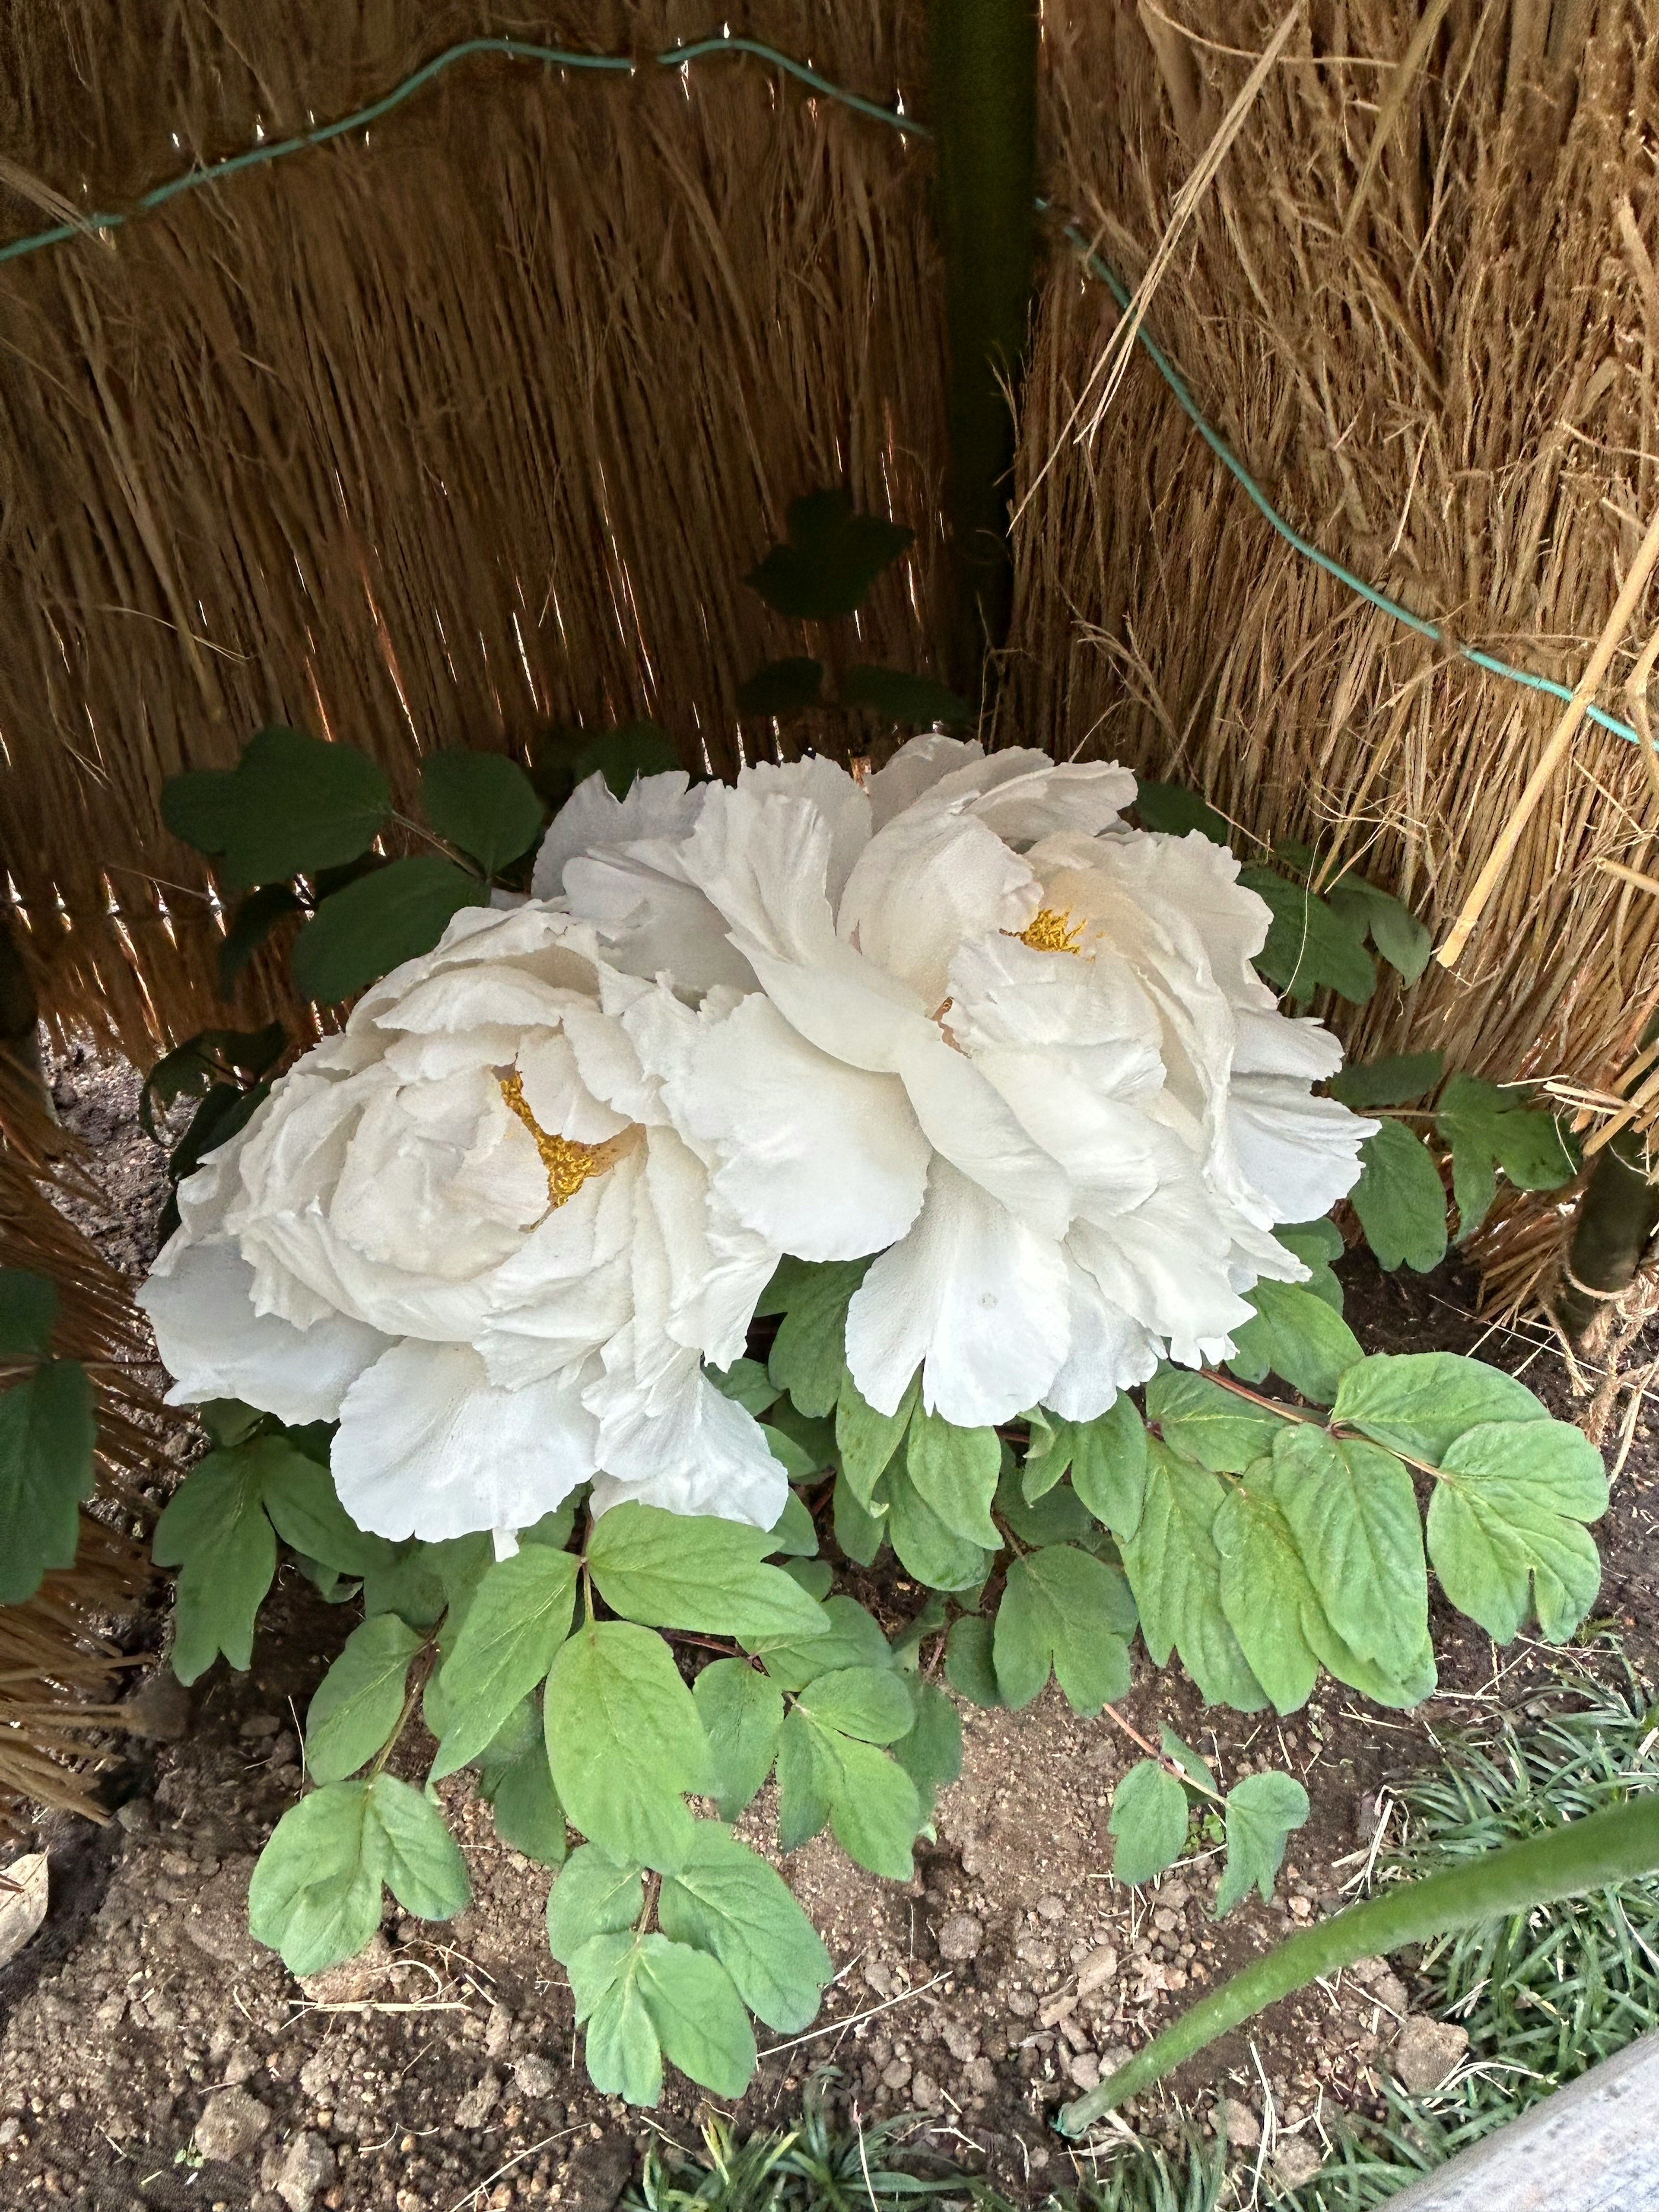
(443, 2071)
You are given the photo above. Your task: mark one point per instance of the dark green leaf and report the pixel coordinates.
(969, 1665)
(1148, 1822)
(867, 1440)
(625, 754)
(1401, 1200)
(794, 1533)
(47, 1432)
(938, 1557)
(1061, 1606)
(1393, 929)
(202, 806)
(920, 700)
(832, 558)
(1175, 809)
(1261, 1811)
(295, 804)
(747, 1383)
(1109, 1466)
(377, 923)
(1315, 1244)
(808, 1775)
(1310, 946)
(741, 1710)
(624, 1739)
(481, 802)
(223, 1112)
(300, 1497)
(853, 1639)
(727, 1901)
(211, 1057)
(252, 924)
(360, 1701)
(1398, 1079)
(931, 1754)
(860, 1534)
(214, 1530)
(783, 687)
(517, 1783)
(808, 1353)
(29, 1306)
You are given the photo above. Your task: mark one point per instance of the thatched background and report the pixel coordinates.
(435, 439)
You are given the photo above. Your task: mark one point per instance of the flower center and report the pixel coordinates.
(1053, 931)
(569, 1164)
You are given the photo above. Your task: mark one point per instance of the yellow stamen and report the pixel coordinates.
(568, 1164)
(1054, 931)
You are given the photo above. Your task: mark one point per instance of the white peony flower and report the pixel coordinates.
(467, 1229)
(988, 1032)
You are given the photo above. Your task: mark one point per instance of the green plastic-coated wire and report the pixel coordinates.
(679, 57)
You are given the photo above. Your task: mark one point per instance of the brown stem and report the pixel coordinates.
(1170, 1766)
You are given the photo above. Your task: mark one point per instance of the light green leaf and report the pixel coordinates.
(870, 1703)
(809, 1351)
(1365, 1675)
(360, 1701)
(1057, 1515)
(215, 1530)
(1397, 1080)
(969, 1665)
(794, 1533)
(1109, 1466)
(747, 1381)
(1148, 1821)
(1400, 1199)
(407, 1582)
(1505, 1525)
(814, 1576)
(47, 1433)
(866, 1440)
(1315, 1244)
(1265, 1593)
(517, 1783)
(624, 1741)
(1309, 945)
(1202, 1420)
(1297, 1335)
(799, 1464)
(519, 1616)
(419, 1862)
(28, 1305)
(726, 1900)
(1490, 1125)
(931, 1754)
(1352, 1511)
(623, 2056)
(378, 920)
(315, 1895)
(1419, 1403)
(955, 1471)
(1061, 1606)
(860, 1534)
(1190, 1762)
(697, 2012)
(1174, 1571)
(808, 1775)
(742, 1713)
(874, 1810)
(483, 802)
(680, 1571)
(939, 1558)
(300, 1497)
(854, 1638)
(1261, 1811)
(591, 1896)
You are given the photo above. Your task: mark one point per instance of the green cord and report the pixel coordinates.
(698, 50)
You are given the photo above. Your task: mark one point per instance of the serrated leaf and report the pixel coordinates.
(1489, 1127)
(29, 1306)
(870, 1703)
(1505, 1526)
(1266, 1594)
(854, 1638)
(1309, 945)
(1400, 1199)
(1352, 1511)
(590, 1896)
(969, 1660)
(1148, 1822)
(809, 1351)
(931, 1754)
(860, 1534)
(1059, 1605)
(1174, 1571)
(1419, 1403)
(481, 802)
(937, 1555)
(1399, 1079)
(376, 923)
(783, 687)
(1297, 1335)
(683, 1571)
(727, 1901)
(1261, 1811)
(1109, 1465)
(358, 1702)
(518, 1617)
(921, 701)
(1203, 1420)
(214, 1530)
(955, 1471)
(315, 1893)
(47, 1433)
(624, 1739)
(742, 1712)
(866, 1440)
(833, 556)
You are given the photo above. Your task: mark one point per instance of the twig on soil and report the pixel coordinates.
(853, 2020)
(1170, 1766)
(374, 2004)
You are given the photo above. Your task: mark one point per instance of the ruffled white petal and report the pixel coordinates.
(656, 807)
(924, 884)
(1301, 1153)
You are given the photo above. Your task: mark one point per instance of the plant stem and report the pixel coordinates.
(1170, 1766)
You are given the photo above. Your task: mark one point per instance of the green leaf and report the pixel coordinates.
(1296, 1334)
(680, 1571)
(931, 1754)
(223, 1111)
(969, 1660)
(1315, 1244)
(1401, 1200)
(47, 1432)
(783, 687)
(360, 1701)
(214, 1530)
(1061, 1606)
(1174, 1571)
(1419, 1403)
(794, 1533)
(742, 1712)
(518, 1618)
(832, 558)
(1265, 1593)
(727, 1901)
(407, 1583)
(814, 1576)
(870, 1703)
(29, 1306)
(1058, 1515)
(920, 700)
(624, 1741)
(698, 2016)
(808, 1775)
(623, 2056)
(1309, 945)
(1204, 1421)
(1186, 1759)
(955, 1471)
(874, 1810)
(938, 1557)
(419, 1860)
(1505, 1526)
(376, 924)
(227, 1420)
(1261, 1811)
(1109, 1466)
(200, 806)
(300, 1497)
(1176, 811)
(1148, 1822)
(866, 1440)
(291, 805)
(251, 925)
(1352, 1511)
(1397, 1080)
(1403, 941)
(1489, 1127)
(624, 754)
(315, 1895)
(591, 1896)
(516, 1781)
(808, 1353)
(210, 1059)
(483, 802)
(854, 1638)
(747, 1383)
(860, 1534)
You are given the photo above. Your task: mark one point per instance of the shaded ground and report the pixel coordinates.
(441, 2071)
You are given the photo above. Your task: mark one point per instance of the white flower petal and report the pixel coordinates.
(1110, 1351)
(1300, 1153)
(656, 807)
(924, 884)
(428, 1447)
(968, 1122)
(975, 1298)
(915, 768)
(842, 806)
(697, 1451)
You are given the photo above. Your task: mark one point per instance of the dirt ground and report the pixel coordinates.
(153, 2055)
